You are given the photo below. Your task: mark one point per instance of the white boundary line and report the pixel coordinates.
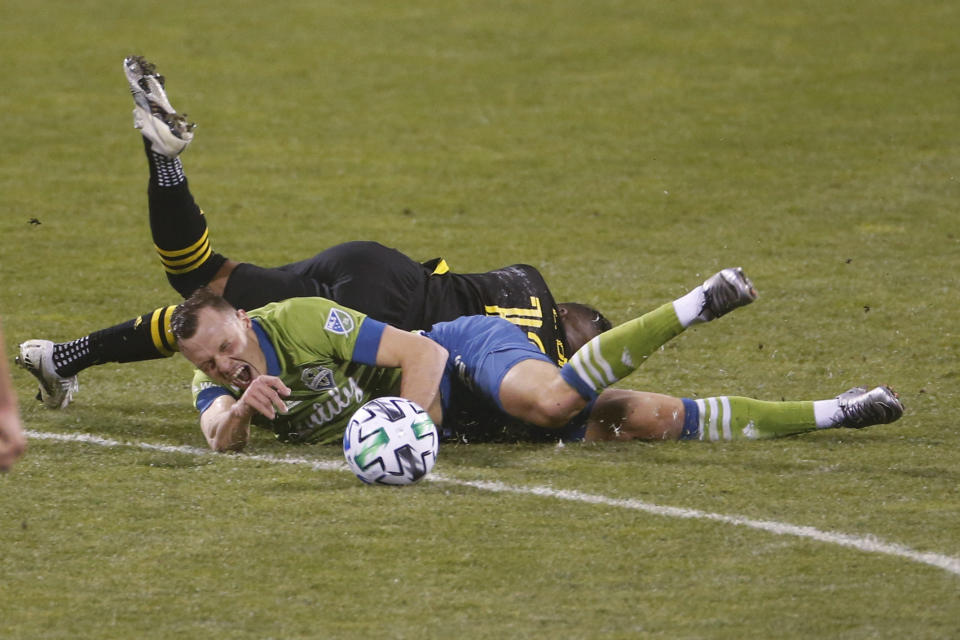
(868, 544)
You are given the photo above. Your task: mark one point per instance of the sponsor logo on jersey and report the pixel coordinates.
(339, 322)
(318, 378)
(203, 386)
(340, 400)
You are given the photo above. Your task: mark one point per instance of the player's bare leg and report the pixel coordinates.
(534, 391)
(625, 415)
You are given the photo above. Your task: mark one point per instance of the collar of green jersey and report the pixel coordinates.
(273, 363)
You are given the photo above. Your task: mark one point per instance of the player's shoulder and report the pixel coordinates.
(292, 308)
(305, 318)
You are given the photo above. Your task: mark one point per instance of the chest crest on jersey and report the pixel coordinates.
(318, 379)
(339, 322)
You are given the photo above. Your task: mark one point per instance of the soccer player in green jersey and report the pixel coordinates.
(303, 366)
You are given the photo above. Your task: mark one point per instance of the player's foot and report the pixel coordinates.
(36, 356)
(169, 132)
(861, 408)
(725, 291)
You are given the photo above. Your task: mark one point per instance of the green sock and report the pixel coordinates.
(616, 353)
(738, 418)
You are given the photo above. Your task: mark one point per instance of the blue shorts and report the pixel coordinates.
(482, 350)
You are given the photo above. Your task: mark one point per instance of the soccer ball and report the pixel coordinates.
(390, 440)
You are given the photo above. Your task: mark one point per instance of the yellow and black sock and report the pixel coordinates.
(146, 337)
(179, 227)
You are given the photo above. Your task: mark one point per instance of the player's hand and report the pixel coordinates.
(265, 396)
(12, 441)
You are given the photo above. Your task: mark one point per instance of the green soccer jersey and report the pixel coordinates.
(325, 354)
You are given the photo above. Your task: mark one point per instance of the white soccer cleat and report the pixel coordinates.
(725, 291)
(36, 356)
(167, 137)
(169, 132)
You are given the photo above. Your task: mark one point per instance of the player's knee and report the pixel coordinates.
(556, 409)
(534, 392)
(185, 285)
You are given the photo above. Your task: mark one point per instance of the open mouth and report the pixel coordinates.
(242, 376)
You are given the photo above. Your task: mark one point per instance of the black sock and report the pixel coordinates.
(179, 227)
(69, 358)
(164, 171)
(146, 337)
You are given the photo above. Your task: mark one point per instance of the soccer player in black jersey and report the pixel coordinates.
(369, 277)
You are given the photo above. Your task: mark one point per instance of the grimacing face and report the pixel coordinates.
(225, 348)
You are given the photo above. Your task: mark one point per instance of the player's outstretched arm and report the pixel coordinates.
(226, 422)
(422, 361)
(225, 426)
(12, 441)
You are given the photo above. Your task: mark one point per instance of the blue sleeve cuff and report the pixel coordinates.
(206, 397)
(368, 342)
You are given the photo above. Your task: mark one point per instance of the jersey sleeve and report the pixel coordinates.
(205, 391)
(368, 342)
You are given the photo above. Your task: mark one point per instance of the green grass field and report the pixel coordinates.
(628, 149)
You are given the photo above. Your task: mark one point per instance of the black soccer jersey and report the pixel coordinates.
(388, 286)
(517, 293)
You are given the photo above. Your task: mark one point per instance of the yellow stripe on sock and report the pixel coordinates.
(162, 336)
(179, 262)
(176, 253)
(194, 264)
